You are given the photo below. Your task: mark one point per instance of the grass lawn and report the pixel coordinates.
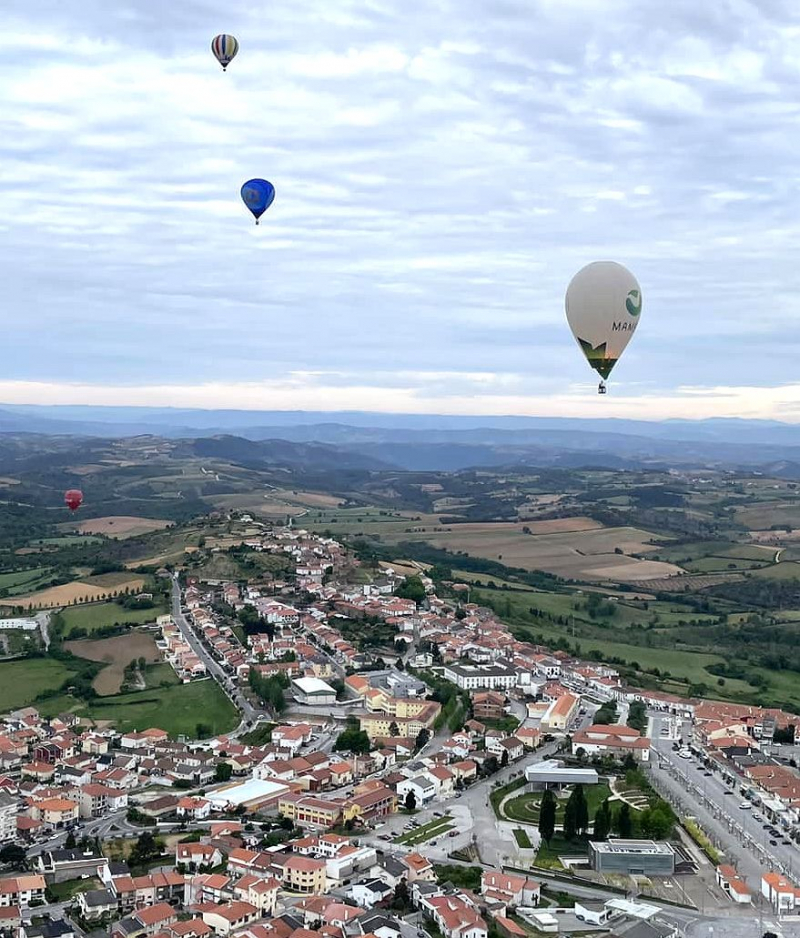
(522, 839)
(94, 616)
(162, 673)
(525, 808)
(63, 892)
(22, 680)
(177, 709)
(549, 853)
(439, 825)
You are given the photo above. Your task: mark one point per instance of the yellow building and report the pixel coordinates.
(304, 874)
(410, 717)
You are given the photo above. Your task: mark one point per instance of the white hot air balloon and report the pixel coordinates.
(604, 303)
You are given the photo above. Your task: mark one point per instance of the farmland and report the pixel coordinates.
(22, 680)
(588, 553)
(96, 616)
(121, 526)
(117, 652)
(79, 591)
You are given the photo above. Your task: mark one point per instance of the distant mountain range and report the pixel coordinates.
(422, 442)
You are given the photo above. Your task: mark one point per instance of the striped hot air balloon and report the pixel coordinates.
(224, 48)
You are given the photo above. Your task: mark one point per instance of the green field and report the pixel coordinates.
(177, 709)
(93, 616)
(779, 571)
(21, 577)
(22, 680)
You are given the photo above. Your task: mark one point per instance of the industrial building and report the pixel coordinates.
(312, 690)
(642, 857)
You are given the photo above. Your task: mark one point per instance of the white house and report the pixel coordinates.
(370, 893)
(422, 786)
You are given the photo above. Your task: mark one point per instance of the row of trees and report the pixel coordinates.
(655, 822)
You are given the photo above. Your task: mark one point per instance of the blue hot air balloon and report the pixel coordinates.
(224, 48)
(258, 195)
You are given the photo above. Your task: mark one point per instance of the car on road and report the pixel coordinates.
(786, 843)
(729, 792)
(708, 774)
(773, 843)
(745, 806)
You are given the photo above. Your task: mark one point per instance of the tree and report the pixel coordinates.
(401, 901)
(623, 824)
(602, 821)
(146, 848)
(578, 812)
(411, 588)
(70, 842)
(504, 758)
(12, 853)
(411, 801)
(657, 822)
(223, 772)
(422, 738)
(352, 740)
(570, 819)
(394, 729)
(547, 816)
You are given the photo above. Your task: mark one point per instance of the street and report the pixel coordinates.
(739, 832)
(215, 669)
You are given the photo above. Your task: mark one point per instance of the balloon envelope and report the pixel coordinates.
(73, 499)
(258, 195)
(604, 303)
(224, 48)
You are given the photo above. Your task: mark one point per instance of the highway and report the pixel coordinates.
(739, 832)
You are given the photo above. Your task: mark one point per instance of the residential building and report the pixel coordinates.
(224, 919)
(779, 892)
(733, 885)
(9, 808)
(613, 740)
(20, 891)
(304, 874)
(478, 676)
(422, 788)
(513, 890)
(560, 713)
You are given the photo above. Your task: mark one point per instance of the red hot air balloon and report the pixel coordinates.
(73, 499)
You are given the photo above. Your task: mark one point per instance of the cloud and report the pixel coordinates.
(442, 169)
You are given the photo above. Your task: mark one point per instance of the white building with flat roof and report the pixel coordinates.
(253, 794)
(311, 690)
(554, 773)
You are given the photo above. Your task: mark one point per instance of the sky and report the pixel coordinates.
(442, 167)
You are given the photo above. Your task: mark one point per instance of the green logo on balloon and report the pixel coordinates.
(633, 303)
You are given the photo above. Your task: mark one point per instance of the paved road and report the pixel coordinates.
(246, 709)
(738, 832)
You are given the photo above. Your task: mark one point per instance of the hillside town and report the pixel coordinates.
(391, 776)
